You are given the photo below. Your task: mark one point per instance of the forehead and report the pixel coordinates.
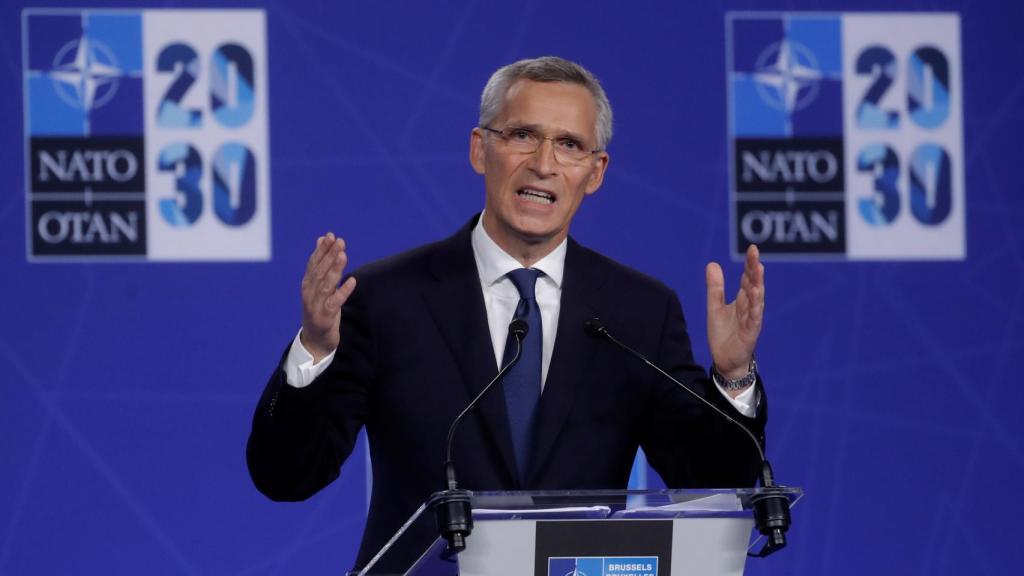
(553, 106)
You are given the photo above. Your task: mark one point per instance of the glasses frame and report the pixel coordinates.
(503, 134)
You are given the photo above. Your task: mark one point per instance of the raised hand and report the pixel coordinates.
(733, 328)
(322, 298)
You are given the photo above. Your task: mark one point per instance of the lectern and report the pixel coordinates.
(596, 533)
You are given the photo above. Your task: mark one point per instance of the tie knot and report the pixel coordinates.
(525, 280)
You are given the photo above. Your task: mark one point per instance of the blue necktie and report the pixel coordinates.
(522, 382)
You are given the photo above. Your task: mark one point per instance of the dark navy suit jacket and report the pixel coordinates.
(415, 348)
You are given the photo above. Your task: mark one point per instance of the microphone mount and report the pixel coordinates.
(452, 509)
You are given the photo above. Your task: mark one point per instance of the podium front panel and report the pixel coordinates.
(697, 546)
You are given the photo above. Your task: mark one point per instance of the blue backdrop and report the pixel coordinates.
(127, 389)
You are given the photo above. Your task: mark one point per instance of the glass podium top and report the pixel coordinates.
(579, 505)
(618, 503)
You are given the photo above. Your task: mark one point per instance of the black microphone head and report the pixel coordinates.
(594, 327)
(518, 328)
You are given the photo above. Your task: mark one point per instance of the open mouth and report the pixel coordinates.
(536, 196)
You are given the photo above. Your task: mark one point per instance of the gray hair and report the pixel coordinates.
(546, 69)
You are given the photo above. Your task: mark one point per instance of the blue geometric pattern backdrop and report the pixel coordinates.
(168, 168)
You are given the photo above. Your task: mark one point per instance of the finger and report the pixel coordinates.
(752, 297)
(329, 283)
(752, 265)
(316, 255)
(746, 281)
(323, 250)
(754, 270)
(754, 309)
(742, 303)
(716, 285)
(336, 250)
(336, 300)
(757, 311)
(754, 318)
(750, 289)
(752, 280)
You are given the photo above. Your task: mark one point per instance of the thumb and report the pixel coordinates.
(716, 285)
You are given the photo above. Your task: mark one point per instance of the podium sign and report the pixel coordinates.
(607, 547)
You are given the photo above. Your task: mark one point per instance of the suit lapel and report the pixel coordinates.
(457, 306)
(567, 373)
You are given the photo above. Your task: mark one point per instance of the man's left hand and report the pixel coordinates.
(733, 328)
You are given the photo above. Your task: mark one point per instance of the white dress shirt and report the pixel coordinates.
(501, 295)
(500, 300)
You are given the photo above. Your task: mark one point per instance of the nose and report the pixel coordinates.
(543, 160)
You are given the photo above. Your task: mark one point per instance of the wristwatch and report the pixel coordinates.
(739, 383)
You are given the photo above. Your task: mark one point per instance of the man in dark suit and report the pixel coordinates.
(427, 329)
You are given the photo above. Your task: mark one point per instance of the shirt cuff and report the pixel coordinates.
(299, 369)
(745, 403)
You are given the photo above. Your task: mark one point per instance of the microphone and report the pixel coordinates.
(452, 509)
(771, 505)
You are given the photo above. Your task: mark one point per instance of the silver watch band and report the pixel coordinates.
(739, 383)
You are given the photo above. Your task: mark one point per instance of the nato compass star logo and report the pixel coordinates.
(787, 76)
(85, 74)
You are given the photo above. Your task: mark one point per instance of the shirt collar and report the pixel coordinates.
(494, 263)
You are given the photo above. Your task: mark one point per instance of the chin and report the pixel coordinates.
(537, 235)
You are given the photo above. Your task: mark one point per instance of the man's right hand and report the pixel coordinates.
(322, 298)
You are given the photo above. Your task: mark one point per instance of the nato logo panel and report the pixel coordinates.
(109, 173)
(819, 133)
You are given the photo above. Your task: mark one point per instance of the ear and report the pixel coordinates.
(596, 176)
(477, 151)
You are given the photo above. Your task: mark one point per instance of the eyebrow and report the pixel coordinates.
(538, 129)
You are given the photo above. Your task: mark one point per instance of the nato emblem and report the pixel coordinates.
(603, 566)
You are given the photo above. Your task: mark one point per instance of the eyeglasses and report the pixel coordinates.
(568, 150)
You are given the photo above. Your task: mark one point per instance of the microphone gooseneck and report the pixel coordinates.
(452, 508)
(771, 504)
(596, 328)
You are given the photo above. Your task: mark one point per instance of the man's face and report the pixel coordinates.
(531, 198)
